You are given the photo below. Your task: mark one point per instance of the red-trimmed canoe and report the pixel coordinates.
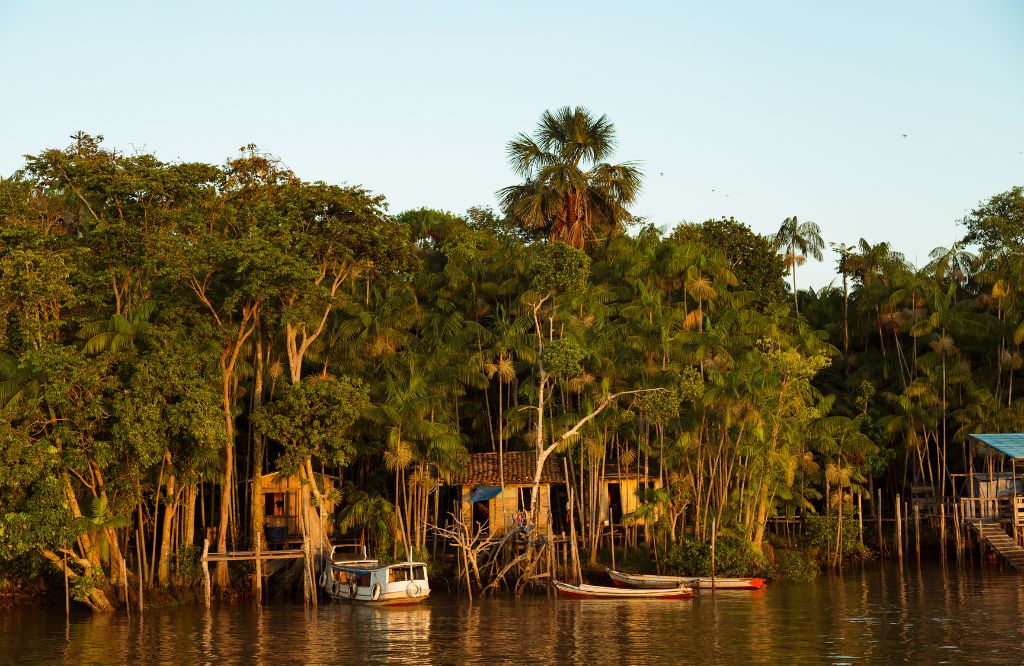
(646, 581)
(601, 592)
(730, 583)
(651, 582)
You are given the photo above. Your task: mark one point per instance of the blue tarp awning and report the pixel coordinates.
(1010, 444)
(481, 493)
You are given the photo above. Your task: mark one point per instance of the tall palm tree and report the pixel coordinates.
(800, 240)
(569, 191)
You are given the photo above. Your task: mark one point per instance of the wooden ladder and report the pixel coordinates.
(1002, 543)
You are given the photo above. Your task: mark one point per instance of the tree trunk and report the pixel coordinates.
(170, 509)
(221, 574)
(98, 599)
(256, 497)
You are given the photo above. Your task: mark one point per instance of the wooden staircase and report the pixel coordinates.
(1002, 543)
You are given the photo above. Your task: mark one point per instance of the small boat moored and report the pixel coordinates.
(651, 582)
(728, 583)
(585, 591)
(366, 581)
(646, 581)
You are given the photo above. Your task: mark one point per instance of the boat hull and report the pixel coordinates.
(650, 582)
(732, 584)
(398, 600)
(645, 582)
(600, 592)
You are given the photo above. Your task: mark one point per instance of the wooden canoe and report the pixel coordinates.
(651, 582)
(729, 583)
(646, 581)
(602, 592)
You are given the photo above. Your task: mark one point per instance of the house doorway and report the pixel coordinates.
(614, 504)
(559, 509)
(482, 514)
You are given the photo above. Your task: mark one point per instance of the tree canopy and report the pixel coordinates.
(171, 331)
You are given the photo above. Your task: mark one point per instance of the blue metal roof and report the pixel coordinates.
(1009, 444)
(483, 493)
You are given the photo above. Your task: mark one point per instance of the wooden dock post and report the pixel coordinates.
(878, 521)
(611, 541)
(957, 536)
(899, 531)
(917, 532)
(942, 533)
(860, 516)
(565, 555)
(206, 572)
(714, 533)
(906, 528)
(138, 567)
(258, 580)
(124, 586)
(551, 561)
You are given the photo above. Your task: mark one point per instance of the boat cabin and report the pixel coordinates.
(497, 493)
(351, 553)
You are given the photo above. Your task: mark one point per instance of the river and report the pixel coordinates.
(873, 615)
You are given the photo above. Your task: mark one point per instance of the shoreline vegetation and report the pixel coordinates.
(171, 333)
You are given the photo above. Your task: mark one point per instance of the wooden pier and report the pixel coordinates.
(1000, 542)
(257, 557)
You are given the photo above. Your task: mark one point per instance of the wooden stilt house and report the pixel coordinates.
(486, 500)
(997, 489)
(282, 502)
(621, 483)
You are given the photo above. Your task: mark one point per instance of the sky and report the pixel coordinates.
(877, 120)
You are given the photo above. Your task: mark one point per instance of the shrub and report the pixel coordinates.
(190, 566)
(820, 537)
(794, 565)
(734, 556)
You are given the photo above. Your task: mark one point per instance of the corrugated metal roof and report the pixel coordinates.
(1009, 444)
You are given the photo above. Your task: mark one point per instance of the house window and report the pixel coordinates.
(273, 504)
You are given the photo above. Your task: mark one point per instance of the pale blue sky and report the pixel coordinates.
(789, 108)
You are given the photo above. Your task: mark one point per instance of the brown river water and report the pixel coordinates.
(872, 615)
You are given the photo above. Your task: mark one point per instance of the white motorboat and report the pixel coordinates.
(375, 584)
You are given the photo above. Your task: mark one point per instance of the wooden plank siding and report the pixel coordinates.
(518, 468)
(503, 508)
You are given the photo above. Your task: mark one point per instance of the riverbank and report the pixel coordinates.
(877, 613)
(794, 557)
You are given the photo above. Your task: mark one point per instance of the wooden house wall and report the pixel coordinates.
(291, 486)
(627, 491)
(502, 508)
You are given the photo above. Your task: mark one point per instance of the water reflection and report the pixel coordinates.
(862, 616)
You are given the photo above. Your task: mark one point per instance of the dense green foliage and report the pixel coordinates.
(171, 331)
(734, 557)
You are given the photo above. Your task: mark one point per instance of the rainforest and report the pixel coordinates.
(174, 333)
